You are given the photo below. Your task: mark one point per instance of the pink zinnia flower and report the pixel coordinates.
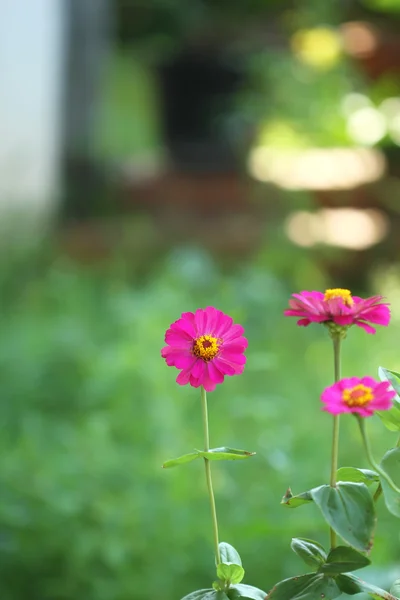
(206, 346)
(340, 307)
(354, 395)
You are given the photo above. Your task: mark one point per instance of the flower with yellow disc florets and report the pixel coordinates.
(338, 310)
(354, 395)
(206, 346)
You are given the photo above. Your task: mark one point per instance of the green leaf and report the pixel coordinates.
(247, 592)
(342, 559)
(349, 510)
(208, 594)
(228, 554)
(357, 475)
(391, 465)
(309, 551)
(212, 454)
(230, 573)
(351, 584)
(295, 501)
(312, 586)
(181, 460)
(218, 585)
(392, 377)
(391, 418)
(225, 454)
(395, 589)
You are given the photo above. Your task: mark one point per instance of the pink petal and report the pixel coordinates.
(175, 357)
(382, 403)
(343, 320)
(348, 382)
(179, 339)
(238, 345)
(225, 367)
(369, 382)
(228, 367)
(185, 327)
(293, 313)
(183, 377)
(303, 305)
(232, 357)
(364, 303)
(198, 368)
(365, 326)
(363, 411)
(215, 374)
(314, 295)
(195, 382)
(234, 332)
(303, 322)
(206, 381)
(337, 307)
(200, 317)
(213, 316)
(376, 314)
(223, 326)
(336, 409)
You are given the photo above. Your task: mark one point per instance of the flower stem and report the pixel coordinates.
(208, 476)
(335, 433)
(374, 465)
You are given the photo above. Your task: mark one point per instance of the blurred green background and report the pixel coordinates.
(146, 229)
(90, 412)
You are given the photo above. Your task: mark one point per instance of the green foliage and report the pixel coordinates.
(391, 418)
(315, 586)
(212, 454)
(246, 592)
(391, 465)
(395, 589)
(357, 475)
(229, 554)
(339, 560)
(350, 584)
(342, 559)
(297, 500)
(305, 587)
(349, 510)
(309, 551)
(230, 573)
(225, 453)
(208, 594)
(181, 460)
(89, 411)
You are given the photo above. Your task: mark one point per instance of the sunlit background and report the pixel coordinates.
(157, 156)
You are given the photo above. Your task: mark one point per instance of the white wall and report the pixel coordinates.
(31, 71)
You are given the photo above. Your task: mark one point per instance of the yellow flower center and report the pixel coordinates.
(206, 347)
(359, 395)
(345, 295)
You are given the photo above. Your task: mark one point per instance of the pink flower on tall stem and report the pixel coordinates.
(338, 306)
(206, 346)
(354, 395)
